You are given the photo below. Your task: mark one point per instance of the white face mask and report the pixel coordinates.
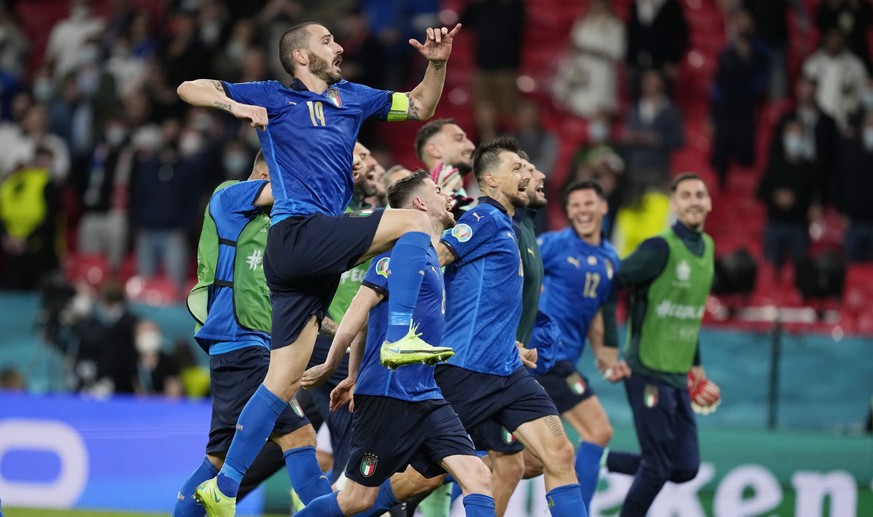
(115, 135)
(148, 342)
(794, 145)
(190, 144)
(598, 131)
(235, 163)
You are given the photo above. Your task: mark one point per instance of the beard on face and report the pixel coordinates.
(322, 69)
(463, 168)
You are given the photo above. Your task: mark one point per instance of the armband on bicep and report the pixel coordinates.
(399, 110)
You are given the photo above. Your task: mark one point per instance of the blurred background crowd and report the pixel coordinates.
(104, 173)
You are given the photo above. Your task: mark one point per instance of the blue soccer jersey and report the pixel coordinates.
(310, 137)
(578, 281)
(412, 382)
(483, 291)
(232, 208)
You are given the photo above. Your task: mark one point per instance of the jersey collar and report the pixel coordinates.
(298, 86)
(493, 202)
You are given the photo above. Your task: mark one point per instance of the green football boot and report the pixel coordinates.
(215, 503)
(411, 349)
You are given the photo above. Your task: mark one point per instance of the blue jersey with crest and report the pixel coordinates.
(310, 137)
(412, 382)
(483, 291)
(578, 281)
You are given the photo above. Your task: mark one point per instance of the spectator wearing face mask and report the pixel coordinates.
(157, 371)
(853, 197)
(791, 190)
(103, 188)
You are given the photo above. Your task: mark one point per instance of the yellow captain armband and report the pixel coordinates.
(399, 107)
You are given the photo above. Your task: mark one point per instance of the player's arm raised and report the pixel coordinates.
(350, 327)
(437, 48)
(209, 93)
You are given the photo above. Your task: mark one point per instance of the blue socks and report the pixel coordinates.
(384, 501)
(324, 506)
(404, 281)
(186, 506)
(306, 477)
(479, 505)
(252, 429)
(588, 469)
(566, 501)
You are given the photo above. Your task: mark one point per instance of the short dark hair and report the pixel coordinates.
(403, 190)
(487, 155)
(292, 39)
(583, 185)
(685, 176)
(426, 132)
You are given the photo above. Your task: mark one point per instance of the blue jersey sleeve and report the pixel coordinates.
(382, 104)
(376, 277)
(236, 203)
(259, 93)
(472, 236)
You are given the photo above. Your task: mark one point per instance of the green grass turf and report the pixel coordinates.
(36, 512)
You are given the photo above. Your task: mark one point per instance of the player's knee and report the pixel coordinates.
(561, 452)
(357, 500)
(684, 473)
(508, 468)
(301, 437)
(602, 435)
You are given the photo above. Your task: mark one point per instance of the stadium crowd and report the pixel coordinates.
(101, 158)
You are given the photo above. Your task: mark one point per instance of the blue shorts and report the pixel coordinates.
(490, 401)
(491, 436)
(234, 377)
(304, 259)
(388, 434)
(566, 385)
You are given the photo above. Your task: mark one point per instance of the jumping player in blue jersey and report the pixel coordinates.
(400, 417)
(307, 132)
(578, 295)
(232, 310)
(485, 381)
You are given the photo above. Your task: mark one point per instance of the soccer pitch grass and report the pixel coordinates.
(35, 512)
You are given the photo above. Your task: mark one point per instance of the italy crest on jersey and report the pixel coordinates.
(334, 96)
(462, 232)
(368, 464)
(382, 267)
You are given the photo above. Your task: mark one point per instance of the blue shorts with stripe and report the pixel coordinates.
(566, 385)
(389, 434)
(485, 403)
(304, 260)
(234, 377)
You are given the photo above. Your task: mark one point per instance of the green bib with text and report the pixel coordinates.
(676, 302)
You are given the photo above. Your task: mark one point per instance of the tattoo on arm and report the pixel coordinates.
(223, 106)
(554, 425)
(445, 255)
(218, 86)
(412, 111)
(438, 66)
